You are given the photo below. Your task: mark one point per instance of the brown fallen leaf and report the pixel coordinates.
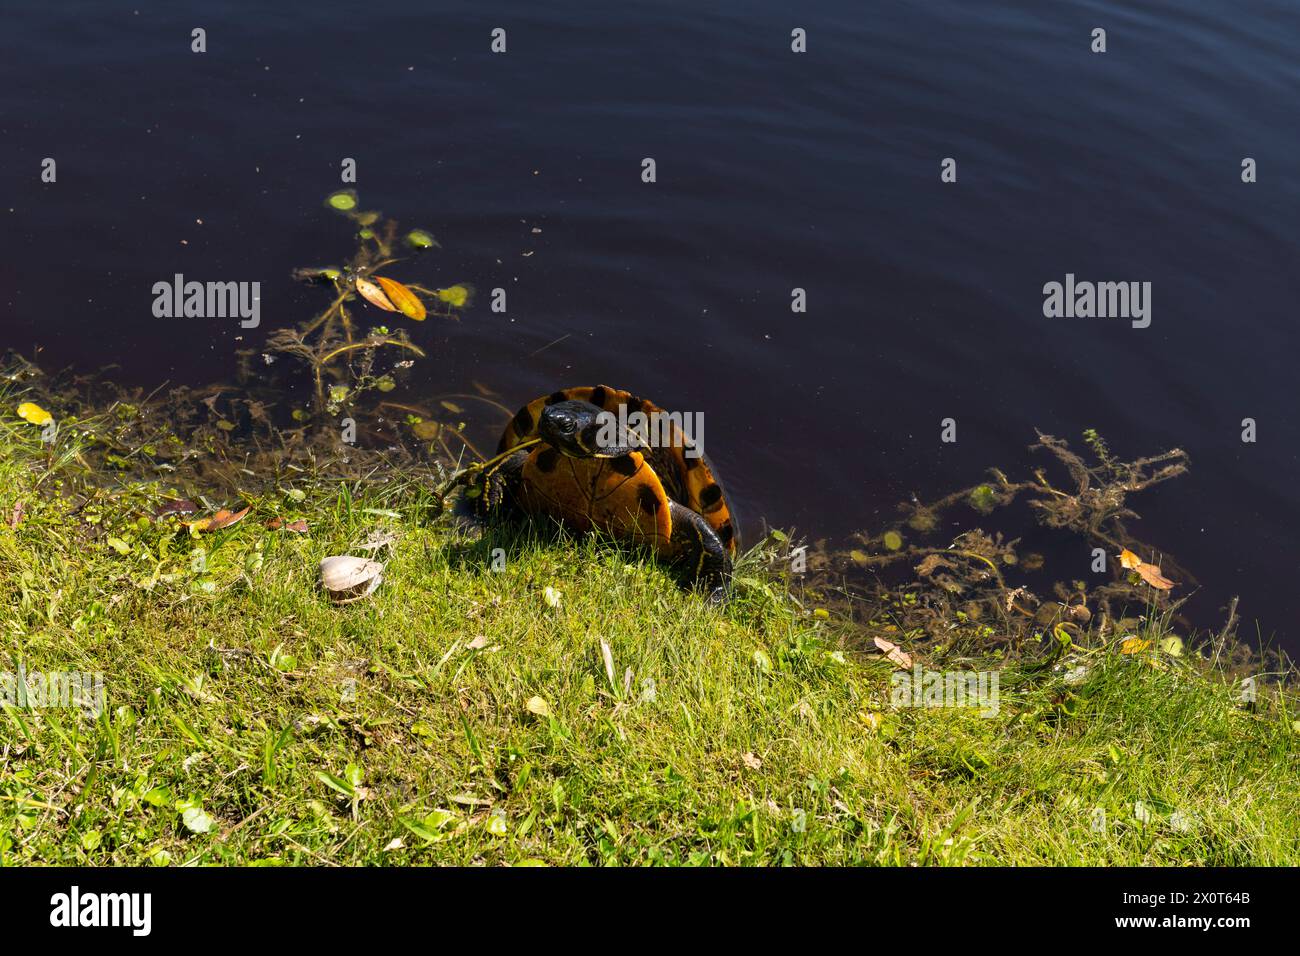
(407, 302)
(1150, 573)
(751, 761)
(279, 524)
(222, 519)
(16, 518)
(895, 653)
(374, 295)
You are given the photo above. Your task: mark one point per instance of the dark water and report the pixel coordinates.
(775, 171)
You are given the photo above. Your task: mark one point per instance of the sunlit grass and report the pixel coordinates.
(455, 716)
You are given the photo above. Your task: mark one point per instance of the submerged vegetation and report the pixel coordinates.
(344, 360)
(415, 700)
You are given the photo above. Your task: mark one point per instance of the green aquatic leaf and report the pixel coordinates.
(982, 499)
(345, 200)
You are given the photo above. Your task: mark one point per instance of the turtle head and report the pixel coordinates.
(583, 430)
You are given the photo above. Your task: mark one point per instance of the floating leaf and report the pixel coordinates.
(1133, 645)
(452, 407)
(33, 413)
(374, 295)
(455, 295)
(406, 301)
(893, 540)
(419, 239)
(1152, 576)
(317, 274)
(345, 200)
(1150, 573)
(426, 431)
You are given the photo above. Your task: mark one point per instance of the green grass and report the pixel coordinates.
(251, 721)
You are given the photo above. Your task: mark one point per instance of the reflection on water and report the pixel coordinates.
(775, 171)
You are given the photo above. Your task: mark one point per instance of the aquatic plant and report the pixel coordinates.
(343, 358)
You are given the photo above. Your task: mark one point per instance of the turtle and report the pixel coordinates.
(566, 456)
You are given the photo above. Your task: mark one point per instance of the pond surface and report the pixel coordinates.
(818, 171)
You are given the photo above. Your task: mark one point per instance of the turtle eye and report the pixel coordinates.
(568, 426)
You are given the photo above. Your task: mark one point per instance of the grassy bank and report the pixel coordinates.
(459, 716)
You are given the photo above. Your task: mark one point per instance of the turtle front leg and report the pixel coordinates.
(697, 550)
(498, 485)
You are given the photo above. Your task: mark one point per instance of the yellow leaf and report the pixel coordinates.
(1133, 645)
(1129, 560)
(222, 519)
(538, 706)
(455, 295)
(406, 301)
(426, 430)
(34, 413)
(452, 407)
(374, 295)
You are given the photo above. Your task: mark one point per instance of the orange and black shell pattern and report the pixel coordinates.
(628, 494)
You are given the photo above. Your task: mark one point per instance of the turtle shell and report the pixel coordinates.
(622, 495)
(611, 493)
